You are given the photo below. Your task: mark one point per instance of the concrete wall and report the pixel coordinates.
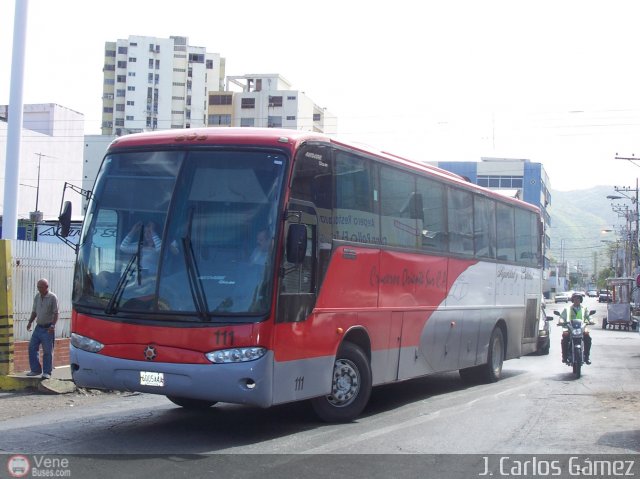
(29, 261)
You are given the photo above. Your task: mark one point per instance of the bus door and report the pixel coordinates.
(297, 288)
(297, 373)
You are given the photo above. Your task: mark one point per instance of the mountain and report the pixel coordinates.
(578, 219)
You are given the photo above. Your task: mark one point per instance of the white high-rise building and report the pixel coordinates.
(157, 83)
(268, 101)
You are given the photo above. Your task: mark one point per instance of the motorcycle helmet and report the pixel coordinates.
(576, 295)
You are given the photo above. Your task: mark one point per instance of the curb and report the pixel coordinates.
(49, 386)
(59, 383)
(17, 383)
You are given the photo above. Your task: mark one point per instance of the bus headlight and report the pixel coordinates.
(236, 355)
(86, 344)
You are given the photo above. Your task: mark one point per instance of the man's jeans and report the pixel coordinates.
(41, 336)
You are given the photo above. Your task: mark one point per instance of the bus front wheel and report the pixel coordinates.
(350, 386)
(189, 403)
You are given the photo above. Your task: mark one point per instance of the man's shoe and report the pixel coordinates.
(587, 360)
(31, 373)
(46, 376)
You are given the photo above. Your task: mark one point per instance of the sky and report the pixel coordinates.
(556, 82)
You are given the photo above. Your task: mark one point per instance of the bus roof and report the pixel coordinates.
(289, 139)
(216, 136)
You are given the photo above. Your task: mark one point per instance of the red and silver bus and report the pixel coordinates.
(264, 266)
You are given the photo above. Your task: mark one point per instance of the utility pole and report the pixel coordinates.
(36, 216)
(635, 265)
(633, 224)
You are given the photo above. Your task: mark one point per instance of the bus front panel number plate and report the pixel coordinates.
(151, 379)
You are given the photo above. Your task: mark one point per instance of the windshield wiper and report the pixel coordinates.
(195, 283)
(112, 306)
(122, 282)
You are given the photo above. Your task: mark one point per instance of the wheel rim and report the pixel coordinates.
(346, 383)
(496, 356)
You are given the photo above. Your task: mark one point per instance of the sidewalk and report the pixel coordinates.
(60, 382)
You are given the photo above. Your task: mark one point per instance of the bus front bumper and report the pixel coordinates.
(247, 383)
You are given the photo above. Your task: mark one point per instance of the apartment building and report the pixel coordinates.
(268, 101)
(157, 83)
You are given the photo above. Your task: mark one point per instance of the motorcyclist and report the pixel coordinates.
(575, 311)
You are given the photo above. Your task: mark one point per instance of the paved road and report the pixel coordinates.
(538, 408)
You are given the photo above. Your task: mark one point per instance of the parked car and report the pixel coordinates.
(562, 297)
(604, 296)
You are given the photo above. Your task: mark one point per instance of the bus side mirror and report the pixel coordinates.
(296, 243)
(65, 219)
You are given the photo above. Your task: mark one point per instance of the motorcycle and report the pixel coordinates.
(576, 331)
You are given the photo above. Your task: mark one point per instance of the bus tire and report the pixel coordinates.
(492, 370)
(350, 386)
(189, 403)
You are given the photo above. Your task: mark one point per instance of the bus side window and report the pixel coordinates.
(484, 227)
(506, 232)
(432, 221)
(398, 216)
(460, 208)
(526, 238)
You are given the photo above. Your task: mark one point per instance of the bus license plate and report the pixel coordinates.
(151, 379)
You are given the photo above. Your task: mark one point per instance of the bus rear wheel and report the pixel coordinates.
(492, 370)
(350, 386)
(189, 403)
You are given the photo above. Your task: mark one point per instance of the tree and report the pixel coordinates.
(608, 272)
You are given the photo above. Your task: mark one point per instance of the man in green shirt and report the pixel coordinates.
(576, 311)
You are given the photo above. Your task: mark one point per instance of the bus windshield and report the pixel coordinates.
(187, 235)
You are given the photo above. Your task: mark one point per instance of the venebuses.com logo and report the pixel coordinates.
(18, 466)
